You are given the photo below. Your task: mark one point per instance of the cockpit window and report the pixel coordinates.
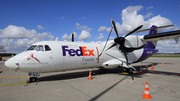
(40, 48)
(47, 48)
(32, 47)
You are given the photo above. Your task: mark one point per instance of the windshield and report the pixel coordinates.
(32, 47)
(40, 48)
(47, 48)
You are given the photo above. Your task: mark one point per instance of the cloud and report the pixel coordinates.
(40, 27)
(168, 46)
(17, 46)
(100, 36)
(131, 20)
(131, 9)
(148, 15)
(83, 18)
(17, 39)
(82, 27)
(84, 35)
(14, 32)
(112, 38)
(102, 28)
(62, 17)
(65, 37)
(150, 7)
(177, 28)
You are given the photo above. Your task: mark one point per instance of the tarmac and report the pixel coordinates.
(106, 85)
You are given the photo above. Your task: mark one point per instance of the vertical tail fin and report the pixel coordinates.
(152, 45)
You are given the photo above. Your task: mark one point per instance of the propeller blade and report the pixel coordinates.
(111, 46)
(105, 43)
(72, 37)
(115, 29)
(132, 48)
(124, 52)
(134, 30)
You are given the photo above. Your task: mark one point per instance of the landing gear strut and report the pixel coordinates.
(33, 77)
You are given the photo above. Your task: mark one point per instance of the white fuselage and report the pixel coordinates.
(64, 56)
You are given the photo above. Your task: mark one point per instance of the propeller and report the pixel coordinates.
(105, 43)
(72, 37)
(121, 40)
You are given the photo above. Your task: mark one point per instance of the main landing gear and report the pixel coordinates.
(33, 77)
(129, 70)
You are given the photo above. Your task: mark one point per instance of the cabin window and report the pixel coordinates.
(40, 48)
(47, 48)
(31, 48)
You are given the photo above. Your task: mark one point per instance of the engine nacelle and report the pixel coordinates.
(133, 41)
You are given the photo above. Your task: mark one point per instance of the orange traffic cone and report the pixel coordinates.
(162, 64)
(146, 92)
(90, 77)
(147, 68)
(140, 72)
(152, 67)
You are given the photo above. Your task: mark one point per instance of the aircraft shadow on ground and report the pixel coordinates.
(150, 66)
(74, 75)
(65, 76)
(118, 71)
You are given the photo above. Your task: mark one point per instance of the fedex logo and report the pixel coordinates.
(82, 51)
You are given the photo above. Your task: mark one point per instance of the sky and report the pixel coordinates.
(25, 22)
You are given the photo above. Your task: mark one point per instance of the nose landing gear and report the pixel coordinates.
(33, 77)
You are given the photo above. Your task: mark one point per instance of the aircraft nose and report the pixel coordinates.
(10, 63)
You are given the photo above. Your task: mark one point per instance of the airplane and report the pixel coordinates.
(54, 56)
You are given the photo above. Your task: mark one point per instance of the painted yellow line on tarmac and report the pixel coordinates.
(14, 76)
(13, 84)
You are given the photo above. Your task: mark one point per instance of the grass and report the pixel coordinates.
(171, 56)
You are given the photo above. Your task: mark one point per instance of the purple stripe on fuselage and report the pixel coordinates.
(147, 52)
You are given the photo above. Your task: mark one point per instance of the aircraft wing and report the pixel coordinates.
(162, 36)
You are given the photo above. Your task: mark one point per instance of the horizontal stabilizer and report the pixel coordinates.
(156, 28)
(162, 36)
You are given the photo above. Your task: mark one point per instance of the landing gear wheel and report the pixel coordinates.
(33, 79)
(130, 71)
(125, 70)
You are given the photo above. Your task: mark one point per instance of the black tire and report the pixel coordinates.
(125, 69)
(33, 79)
(130, 71)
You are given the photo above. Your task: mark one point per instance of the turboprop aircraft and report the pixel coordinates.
(54, 56)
